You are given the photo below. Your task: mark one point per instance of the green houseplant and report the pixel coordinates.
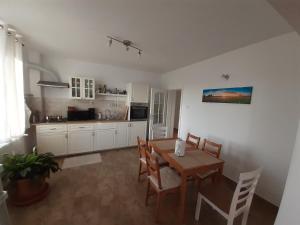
(25, 175)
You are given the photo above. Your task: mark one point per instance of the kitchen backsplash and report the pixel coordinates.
(57, 106)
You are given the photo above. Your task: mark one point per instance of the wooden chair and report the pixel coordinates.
(161, 180)
(160, 159)
(214, 150)
(193, 140)
(142, 144)
(227, 202)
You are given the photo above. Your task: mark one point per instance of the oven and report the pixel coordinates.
(139, 111)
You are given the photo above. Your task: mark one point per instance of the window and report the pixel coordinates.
(12, 112)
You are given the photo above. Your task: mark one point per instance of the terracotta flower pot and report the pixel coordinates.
(28, 191)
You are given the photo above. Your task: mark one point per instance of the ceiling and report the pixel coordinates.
(172, 33)
(290, 10)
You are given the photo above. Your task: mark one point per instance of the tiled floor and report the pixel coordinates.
(109, 194)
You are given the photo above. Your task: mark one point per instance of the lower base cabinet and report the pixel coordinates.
(57, 143)
(135, 129)
(122, 135)
(80, 141)
(71, 139)
(104, 139)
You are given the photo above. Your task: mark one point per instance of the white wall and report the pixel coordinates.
(259, 134)
(112, 76)
(290, 207)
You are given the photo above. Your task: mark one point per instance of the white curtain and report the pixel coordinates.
(12, 113)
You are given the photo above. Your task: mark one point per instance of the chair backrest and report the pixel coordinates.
(244, 192)
(153, 168)
(212, 148)
(193, 140)
(159, 132)
(141, 147)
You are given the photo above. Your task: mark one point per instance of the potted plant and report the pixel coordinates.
(26, 175)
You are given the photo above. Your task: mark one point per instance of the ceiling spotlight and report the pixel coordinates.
(110, 42)
(127, 43)
(225, 76)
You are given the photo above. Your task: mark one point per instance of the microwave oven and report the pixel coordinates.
(139, 111)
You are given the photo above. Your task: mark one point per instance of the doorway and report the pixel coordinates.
(164, 120)
(173, 112)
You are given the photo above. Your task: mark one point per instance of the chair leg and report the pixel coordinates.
(198, 207)
(159, 196)
(230, 221)
(245, 217)
(140, 171)
(148, 193)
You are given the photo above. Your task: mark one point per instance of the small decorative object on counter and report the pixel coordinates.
(180, 148)
(100, 88)
(104, 89)
(100, 116)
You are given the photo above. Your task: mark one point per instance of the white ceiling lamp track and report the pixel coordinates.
(127, 43)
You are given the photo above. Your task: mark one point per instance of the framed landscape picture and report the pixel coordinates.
(237, 95)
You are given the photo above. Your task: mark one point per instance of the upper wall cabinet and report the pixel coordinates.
(82, 88)
(138, 92)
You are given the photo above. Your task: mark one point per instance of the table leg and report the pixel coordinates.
(182, 203)
(221, 171)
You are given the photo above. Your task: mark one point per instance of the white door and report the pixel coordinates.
(55, 143)
(157, 119)
(122, 135)
(80, 141)
(104, 139)
(136, 129)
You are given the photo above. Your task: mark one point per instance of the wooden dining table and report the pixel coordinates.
(193, 162)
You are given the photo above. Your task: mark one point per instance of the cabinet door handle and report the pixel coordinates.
(93, 134)
(81, 127)
(53, 129)
(116, 132)
(66, 135)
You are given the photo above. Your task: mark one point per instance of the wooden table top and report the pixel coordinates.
(193, 161)
(167, 145)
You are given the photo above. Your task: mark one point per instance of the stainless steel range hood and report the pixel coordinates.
(52, 84)
(47, 83)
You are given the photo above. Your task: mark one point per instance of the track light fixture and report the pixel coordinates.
(127, 43)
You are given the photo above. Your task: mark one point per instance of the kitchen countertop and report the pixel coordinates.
(83, 121)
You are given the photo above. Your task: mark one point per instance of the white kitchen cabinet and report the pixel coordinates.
(80, 141)
(138, 128)
(62, 139)
(82, 88)
(52, 138)
(138, 92)
(122, 135)
(55, 143)
(104, 139)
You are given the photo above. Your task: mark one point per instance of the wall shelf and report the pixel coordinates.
(110, 95)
